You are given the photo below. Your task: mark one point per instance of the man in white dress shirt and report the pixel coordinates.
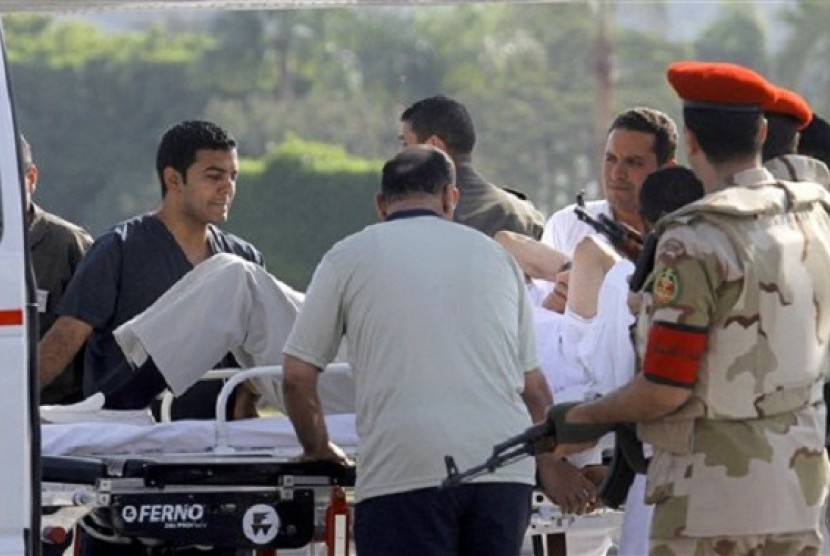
(640, 140)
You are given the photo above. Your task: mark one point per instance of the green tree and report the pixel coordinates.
(353, 73)
(802, 62)
(271, 53)
(641, 72)
(524, 72)
(93, 106)
(737, 36)
(339, 77)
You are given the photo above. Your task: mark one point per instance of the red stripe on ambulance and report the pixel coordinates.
(11, 317)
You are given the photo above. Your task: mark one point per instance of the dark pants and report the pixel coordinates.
(128, 388)
(480, 519)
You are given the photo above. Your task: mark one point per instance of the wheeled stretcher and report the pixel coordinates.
(228, 485)
(217, 483)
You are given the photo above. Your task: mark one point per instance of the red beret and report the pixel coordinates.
(791, 104)
(720, 85)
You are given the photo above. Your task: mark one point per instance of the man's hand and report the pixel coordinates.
(302, 404)
(331, 452)
(565, 485)
(245, 402)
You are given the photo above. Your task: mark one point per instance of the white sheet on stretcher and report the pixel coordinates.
(183, 437)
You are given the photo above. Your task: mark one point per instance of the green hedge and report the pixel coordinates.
(299, 200)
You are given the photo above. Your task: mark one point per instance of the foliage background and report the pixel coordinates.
(314, 99)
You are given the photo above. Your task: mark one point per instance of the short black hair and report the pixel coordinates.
(654, 122)
(666, 190)
(416, 170)
(725, 135)
(445, 118)
(782, 136)
(180, 143)
(815, 139)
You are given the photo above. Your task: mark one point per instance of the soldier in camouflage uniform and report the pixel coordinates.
(786, 117)
(733, 342)
(814, 140)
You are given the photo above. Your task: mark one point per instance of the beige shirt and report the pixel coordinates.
(439, 332)
(797, 167)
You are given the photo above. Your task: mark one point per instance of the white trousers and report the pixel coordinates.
(225, 304)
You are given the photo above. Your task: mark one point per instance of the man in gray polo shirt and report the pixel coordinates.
(439, 334)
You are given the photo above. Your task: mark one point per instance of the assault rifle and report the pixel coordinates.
(628, 456)
(554, 429)
(623, 237)
(511, 450)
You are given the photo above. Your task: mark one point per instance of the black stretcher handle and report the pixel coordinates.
(72, 470)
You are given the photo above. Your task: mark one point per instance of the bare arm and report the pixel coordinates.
(591, 262)
(59, 346)
(640, 400)
(535, 258)
(302, 404)
(537, 395)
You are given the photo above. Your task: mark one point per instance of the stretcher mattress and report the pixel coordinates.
(186, 437)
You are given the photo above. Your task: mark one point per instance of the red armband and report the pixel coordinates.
(673, 354)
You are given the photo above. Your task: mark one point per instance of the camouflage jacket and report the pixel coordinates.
(747, 266)
(797, 167)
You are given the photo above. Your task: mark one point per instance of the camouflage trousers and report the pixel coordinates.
(789, 544)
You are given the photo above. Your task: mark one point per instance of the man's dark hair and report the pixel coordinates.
(179, 145)
(654, 122)
(667, 190)
(445, 118)
(725, 135)
(815, 139)
(416, 170)
(782, 136)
